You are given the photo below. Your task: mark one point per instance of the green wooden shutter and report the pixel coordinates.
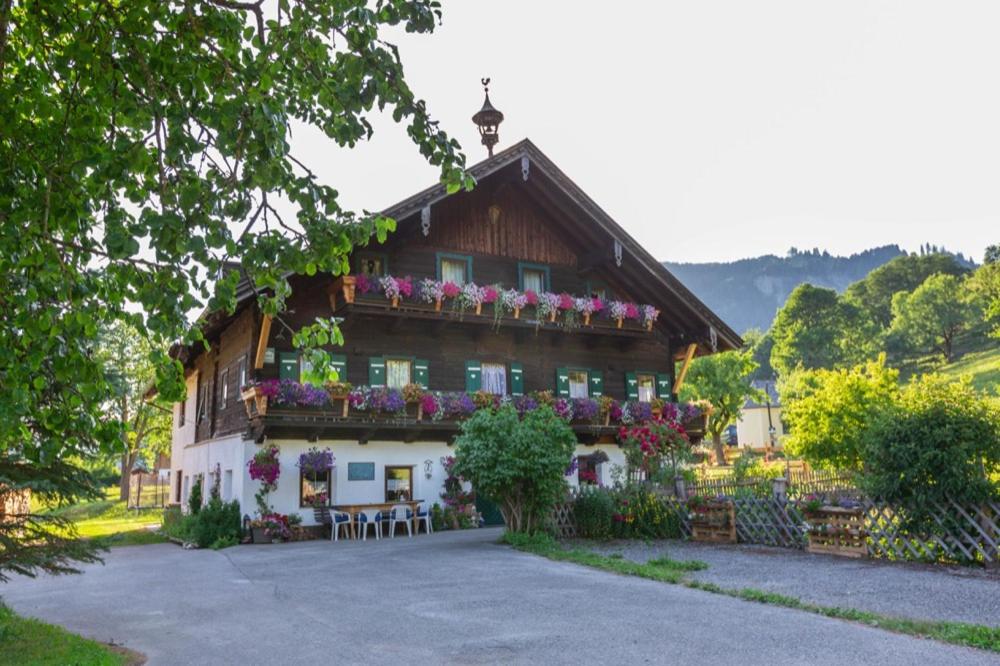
(338, 362)
(631, 386)
(596, 378)
(420, 368)
(663, 386)
(562, 382)
(376, 371)
(473, 376)
(289, 365)
(516, 379)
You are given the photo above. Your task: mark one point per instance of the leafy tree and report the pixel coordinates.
(145, 143)
(992, 254)
(725, 381)
(828, 411)
(817, 329)
(760, 345)
(519, 464)
(873, 295)
(984, 286)
(930, 318)
(127, 360)
(940, 443)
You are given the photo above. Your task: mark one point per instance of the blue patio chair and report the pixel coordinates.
(423, 515)
(400, 514)
(340, 519)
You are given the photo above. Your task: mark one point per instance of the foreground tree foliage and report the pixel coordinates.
(518, 463)
(724, 380)
(142, 145)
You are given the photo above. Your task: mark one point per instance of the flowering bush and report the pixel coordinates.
(655, 442)
(316, 461)
(563, 408)
(413, 392)
(524, 404)
(485, 400)
(275, 525)
(430, 291)
(585, 409)
(649, 314)
(617, 309)
(265, 467)
(429, 404)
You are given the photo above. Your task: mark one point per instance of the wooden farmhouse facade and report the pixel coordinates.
(525, 233)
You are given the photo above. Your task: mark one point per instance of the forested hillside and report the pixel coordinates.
(747, 293)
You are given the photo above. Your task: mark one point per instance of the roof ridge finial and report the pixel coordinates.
(488, 119)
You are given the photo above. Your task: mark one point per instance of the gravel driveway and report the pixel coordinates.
(454, 597)
(915, 591)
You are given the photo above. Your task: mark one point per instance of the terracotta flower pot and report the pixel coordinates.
(479, 308)
(437, 305)
(586, 319)
(552, 316)
(619, 322)
(395, 301)
(649, 325)
(517, 313)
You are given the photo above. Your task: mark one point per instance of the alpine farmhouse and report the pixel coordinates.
(538, 250)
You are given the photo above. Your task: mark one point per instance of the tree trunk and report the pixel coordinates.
(125, 484)
(720, 451)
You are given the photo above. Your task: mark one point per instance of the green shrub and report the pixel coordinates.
(519, 464)
(194, 499)
(216, 521)
(594, 513)
(940, 443)
(642, 514)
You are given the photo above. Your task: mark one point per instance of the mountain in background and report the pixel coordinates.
(747, 293)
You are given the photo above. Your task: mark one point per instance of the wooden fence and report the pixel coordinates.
(963, 534)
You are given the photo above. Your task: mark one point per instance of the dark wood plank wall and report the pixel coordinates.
(459, 224)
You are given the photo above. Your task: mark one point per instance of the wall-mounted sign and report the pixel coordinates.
(361, 471)
(269, 355)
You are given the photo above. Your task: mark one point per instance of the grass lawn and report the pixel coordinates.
(982, 366)
(28, 641)
(110, 521)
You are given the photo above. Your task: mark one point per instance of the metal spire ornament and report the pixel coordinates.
(488, 120)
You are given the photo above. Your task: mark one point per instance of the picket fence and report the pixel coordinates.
(964, 534)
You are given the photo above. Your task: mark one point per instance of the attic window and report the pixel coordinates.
(372, 264)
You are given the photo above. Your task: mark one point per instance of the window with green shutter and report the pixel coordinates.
(338, 362)
(562, 382)
(663, 387)
(596, 383)
(473, 376)
(420, 373)
(631, 386)
(376, 371)
(288, 367)
(516, 379)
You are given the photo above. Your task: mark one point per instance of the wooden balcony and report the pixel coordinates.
(345, 305)
(316, 424)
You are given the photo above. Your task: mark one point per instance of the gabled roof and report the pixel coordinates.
(529, 156)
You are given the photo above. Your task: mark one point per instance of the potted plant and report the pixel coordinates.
(649, 314)
(265, 466)
(413, 396)
(712, 519)
(339, 392)
(616, 310)
(432, 291)
(256, 394)
(834, 528)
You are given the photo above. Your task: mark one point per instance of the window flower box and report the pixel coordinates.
(836, 530)
(712, 521)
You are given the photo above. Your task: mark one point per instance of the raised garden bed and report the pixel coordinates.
(837, 531)
(713, 522)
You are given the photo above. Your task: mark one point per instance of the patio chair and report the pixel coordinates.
(366, 518)
(400, 513)
(340, 519)
(423, 515)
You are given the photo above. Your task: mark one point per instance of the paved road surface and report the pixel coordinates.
(454, 597)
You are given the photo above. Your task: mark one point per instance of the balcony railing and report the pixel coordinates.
(345, 297)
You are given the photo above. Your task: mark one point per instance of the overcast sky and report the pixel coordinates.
(718, 130)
